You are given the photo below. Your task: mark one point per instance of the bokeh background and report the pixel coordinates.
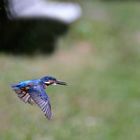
(100, 59)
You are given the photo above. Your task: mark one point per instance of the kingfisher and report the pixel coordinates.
(33, 91)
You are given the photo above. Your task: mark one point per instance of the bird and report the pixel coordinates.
(33, 92)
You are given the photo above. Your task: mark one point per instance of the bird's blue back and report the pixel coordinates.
(27, 82)
(36, 87)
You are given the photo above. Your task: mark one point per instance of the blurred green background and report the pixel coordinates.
(100, 59)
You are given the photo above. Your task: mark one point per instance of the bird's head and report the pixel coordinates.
(49, 80)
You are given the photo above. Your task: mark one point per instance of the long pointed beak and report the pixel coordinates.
(61, 83)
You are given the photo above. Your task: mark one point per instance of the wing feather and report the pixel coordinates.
(23, 95)
(42, 100)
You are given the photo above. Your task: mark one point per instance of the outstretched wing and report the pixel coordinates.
(40, 97)
(22, 93)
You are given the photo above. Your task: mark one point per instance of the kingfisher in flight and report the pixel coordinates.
(33, 91)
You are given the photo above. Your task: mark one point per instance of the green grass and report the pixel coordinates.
(100, 59)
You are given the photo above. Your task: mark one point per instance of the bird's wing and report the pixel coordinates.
(22, 93)
(40, 97)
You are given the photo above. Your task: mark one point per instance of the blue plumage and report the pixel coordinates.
(33, 91)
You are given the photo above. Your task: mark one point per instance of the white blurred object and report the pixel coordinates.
(66, 12)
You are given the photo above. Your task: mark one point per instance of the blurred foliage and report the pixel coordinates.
(99, 58)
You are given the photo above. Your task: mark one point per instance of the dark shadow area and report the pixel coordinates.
(28, 36)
